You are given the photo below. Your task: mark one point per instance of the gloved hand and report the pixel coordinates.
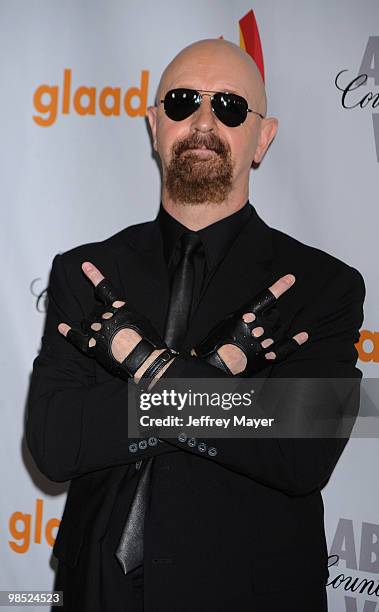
(123, 317)
(237, 329)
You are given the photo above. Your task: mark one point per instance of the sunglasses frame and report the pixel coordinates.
(211, 94)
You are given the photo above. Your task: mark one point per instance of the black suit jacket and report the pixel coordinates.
(243, 528)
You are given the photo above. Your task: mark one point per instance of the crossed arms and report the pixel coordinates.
(76, 425)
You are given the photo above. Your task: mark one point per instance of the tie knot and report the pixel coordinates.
(190, 241)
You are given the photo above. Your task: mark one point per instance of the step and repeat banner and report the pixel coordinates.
(77, 166)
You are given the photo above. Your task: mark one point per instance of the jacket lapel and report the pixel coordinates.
(143, 272)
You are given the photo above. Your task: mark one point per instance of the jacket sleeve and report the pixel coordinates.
(74, 424)
(297, 466)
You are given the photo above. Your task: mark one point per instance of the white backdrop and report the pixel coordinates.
(82, 178)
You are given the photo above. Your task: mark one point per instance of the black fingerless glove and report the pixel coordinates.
(124, 317)
(234, 330)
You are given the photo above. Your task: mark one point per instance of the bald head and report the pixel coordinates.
(218, 65)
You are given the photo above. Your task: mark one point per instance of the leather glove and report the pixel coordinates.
(123, 317)
(234, 330)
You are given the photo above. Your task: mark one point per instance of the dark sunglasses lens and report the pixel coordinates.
(181, 103)
(230, 108)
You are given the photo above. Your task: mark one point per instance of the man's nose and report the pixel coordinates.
(204, 119)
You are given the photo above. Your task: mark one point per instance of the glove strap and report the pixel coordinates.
(159, 362)
(137, 357)
(216, 360)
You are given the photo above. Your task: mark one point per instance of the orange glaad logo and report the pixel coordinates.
(85, 100)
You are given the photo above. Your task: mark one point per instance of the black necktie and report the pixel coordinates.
(130, 548)
(182, 289)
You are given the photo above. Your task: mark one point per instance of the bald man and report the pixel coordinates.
(231, 523)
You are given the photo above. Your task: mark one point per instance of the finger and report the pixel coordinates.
(257, 332)
(104, 289)
(249, 317)
(268, 297)
(282, 285)
(63, 328)
(107, 315)
(80, 340)
(267, 342)
(106, 292)
(92, 272)
(76, 337)
(301, 337)
(288, 346)
(263, 300)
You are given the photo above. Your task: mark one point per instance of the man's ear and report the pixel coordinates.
(269, 128)
(152, 117)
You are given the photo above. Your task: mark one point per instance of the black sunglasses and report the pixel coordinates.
(229, 108)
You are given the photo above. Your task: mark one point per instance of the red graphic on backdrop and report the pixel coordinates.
(250, 40)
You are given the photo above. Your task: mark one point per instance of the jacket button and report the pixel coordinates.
(202, 447)
(152, 441)
(191, 442)
(142, 444)
(212, 451)
(182, 437)
(133, 447)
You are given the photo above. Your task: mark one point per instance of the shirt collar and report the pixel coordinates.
(217, 238)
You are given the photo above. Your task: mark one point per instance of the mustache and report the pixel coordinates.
(196, 141)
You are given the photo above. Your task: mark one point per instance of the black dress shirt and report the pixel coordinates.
(216, 240)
